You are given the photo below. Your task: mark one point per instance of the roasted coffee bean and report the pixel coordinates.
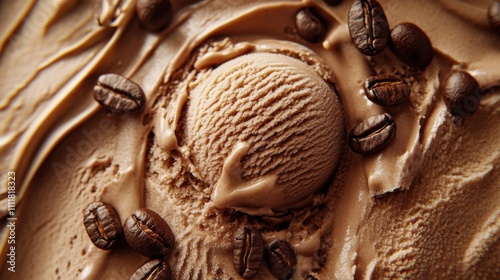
(147, 233)
(248, 251)
(154, 15)
(411, 45)
(461, 94)
(386, 90)
(333, 2)
(373, 134)
(494, 16)
(119, 93)
(368, 26)
(153, 270)
(281, 259)
(102, 224)
(309, 26)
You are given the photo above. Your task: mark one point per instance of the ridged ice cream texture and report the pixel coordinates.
(288, 120)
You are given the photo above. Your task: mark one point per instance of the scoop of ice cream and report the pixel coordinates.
(266, 131)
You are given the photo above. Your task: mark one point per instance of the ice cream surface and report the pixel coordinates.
(245, 124)
(286, 120)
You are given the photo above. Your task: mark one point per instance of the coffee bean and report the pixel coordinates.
(333, 2)
(368, 26)
(147, 233)
(461, 94)
(118, 93)
(411, 45)
(248, 251)
(373, 134)
(494, 16)
(154, 15)
(281, 259)
(386, 90)
(309, 26)
(102, 224)
(153, 270)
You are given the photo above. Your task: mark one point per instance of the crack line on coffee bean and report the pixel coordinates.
(368, 21)
(150, 232)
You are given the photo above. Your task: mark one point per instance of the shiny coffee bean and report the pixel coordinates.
(119, 93)
(102, 224)
(281, 259)
(147, 233)
(386, 90)
(309, 26)
(248, 251)
(368, 26)
(494, 16)
(373, 134)
(154, 15)
(153, 270)
(411, 45)
(461, 94)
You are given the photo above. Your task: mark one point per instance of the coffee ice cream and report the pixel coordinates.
(242, 140)
(264, 124)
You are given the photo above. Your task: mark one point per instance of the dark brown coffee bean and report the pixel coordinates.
(248, 251)
(494, 16)
(368, 26)
(281, 259)
(373, 134)
(147, 233)
(119, 93)
(386, 90)
(411, 45)
(153, 270)
(461, 94)
(102, 224)
(333, 2)
(309, 26)
(154, 15)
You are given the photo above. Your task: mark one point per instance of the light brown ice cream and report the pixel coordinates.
(426, 207)
(264, 123)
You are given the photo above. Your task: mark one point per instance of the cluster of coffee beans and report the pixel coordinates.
(376, 132)
(370, 33)
(249, 252)
(145, 232)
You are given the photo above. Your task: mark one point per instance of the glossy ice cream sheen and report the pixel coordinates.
(426, 206)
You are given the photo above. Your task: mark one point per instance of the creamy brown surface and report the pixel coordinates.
(425, 207)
